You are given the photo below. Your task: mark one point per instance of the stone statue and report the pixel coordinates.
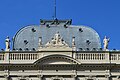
(40, 42)
(106, 41)
(57, 41)
(7, 42)
(57, 38)
(73, 44)
(73, 41)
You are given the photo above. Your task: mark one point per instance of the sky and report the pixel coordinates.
(101, 15)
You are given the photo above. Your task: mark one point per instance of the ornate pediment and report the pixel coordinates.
(56, 59)
(56, 41)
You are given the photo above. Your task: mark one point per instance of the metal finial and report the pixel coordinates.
(54, 9)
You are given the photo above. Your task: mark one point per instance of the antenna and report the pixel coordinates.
(54, 9)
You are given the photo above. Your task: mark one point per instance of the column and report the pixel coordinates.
(73, 77)
(40, 77)
(109, 78)
(7, 77)
(108, 75)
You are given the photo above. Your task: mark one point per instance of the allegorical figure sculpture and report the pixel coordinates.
(40, 42)
(57, 38)
(73, 41)
(7, 42)
(106, 41)
(57, 41)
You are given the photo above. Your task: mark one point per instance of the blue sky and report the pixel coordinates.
(101, 15)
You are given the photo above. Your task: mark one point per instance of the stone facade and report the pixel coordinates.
(60, 64)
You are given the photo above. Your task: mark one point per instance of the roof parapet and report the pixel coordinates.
(55, 22)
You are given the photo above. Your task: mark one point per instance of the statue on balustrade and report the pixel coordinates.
(7, 42)
(106, 41)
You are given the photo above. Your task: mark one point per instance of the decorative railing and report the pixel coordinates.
(91, 56)
(85, 57)
(115, 56)
(1, 56)
(23, 56)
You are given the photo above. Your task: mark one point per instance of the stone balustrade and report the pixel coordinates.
(83, 56)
